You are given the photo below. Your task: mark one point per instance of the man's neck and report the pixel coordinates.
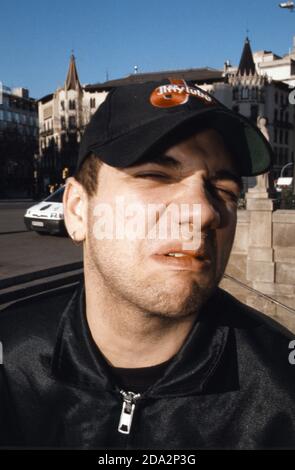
(127, 336)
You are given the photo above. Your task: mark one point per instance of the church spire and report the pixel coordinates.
(72, 80)
(247, 64)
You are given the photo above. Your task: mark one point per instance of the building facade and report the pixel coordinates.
(255, 95)
(63, 116)
(18, 141)
(277, 67)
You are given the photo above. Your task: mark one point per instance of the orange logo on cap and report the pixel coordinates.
(176, 93)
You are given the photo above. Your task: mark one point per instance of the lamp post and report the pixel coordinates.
(285, 166)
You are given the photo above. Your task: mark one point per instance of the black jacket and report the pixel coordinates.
(230, 385)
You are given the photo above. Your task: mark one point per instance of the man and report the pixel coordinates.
(148, 352)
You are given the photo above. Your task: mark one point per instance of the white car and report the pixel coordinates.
(47, 216)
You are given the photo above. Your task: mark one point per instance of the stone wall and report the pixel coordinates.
(263, 258)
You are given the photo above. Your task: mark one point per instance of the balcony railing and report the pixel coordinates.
(46, 133)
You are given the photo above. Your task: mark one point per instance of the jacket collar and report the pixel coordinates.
(78, 361)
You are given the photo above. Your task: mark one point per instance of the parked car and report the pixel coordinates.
(48, 215)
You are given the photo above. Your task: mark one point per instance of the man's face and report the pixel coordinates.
(140, 271)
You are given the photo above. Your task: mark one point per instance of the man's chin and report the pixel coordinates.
(181, 303)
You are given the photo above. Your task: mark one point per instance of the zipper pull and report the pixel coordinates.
(129, 399)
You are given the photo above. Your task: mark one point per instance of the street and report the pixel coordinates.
(23, 252)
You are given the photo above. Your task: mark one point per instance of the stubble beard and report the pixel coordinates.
(151, 298)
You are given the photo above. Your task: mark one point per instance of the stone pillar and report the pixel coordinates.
(260, 259)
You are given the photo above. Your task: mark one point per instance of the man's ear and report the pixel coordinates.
(75, 202)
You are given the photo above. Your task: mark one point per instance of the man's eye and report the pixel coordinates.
(222, 193)
(227, 194)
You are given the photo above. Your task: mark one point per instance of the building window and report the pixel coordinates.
(287, 99)
(72, 122)
(281, 136)
(235, 93)
(254, 93)
(276, 115)
(275, 136)
(245, 93)
(276, 97)
(62, 105)
(286, 156)
(286, 137)
(63, 140)
(72, 104)
(92, 102)
(63, 122)
(287, 117)
(282, 100)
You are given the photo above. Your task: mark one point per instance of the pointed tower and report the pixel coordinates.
(248, 86)
(72, 81)
(247, 65)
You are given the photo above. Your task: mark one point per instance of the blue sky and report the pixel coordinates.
(36, 37)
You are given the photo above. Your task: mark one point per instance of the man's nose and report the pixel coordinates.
(196, 193)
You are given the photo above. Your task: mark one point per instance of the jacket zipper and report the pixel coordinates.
(127, 412)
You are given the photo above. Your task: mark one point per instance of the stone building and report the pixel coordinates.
(63, 116)
(277, 67)
(18, 141)
(253, 94)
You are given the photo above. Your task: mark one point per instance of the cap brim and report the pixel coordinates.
(252, 152)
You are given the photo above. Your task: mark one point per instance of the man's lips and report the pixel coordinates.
(192, 260)
(201, 253)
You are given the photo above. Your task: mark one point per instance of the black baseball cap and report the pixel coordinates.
(138, 119)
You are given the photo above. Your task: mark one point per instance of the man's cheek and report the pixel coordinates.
(224, 241)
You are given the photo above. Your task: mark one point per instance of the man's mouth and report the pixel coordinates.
(181, 254)
(190, 259)
(177, 255)
(177, 251)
